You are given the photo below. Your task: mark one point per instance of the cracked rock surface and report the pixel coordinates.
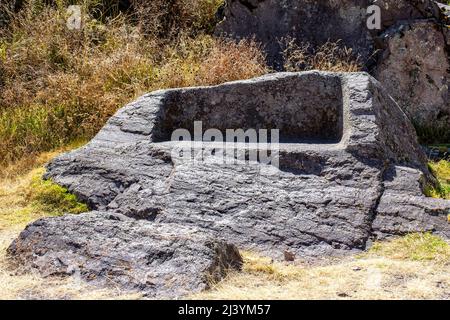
(334, 192)
(113, 250)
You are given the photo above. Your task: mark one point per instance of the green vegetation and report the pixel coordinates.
(26, 197)
(59, 85)
(441, 170)
(415, 247)
(52, 199)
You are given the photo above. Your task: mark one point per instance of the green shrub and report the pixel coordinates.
(441, 170)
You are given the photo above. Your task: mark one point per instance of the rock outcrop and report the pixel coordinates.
(409, 53)
(350, 171)
(415, 67)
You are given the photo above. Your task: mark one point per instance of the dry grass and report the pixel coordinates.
(385, 273)
(60, 85)
(15, 171)
(415, 247)
(207, 61)
(331, 56)
(164, 19)
(372, 276)
(23, 199)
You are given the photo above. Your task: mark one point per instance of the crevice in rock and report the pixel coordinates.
(250, 6)
(374, 209)
(148, 214)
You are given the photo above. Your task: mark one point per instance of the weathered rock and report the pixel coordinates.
(403, 209)
(310, 21)
(110, 249)
(317, 21)
(408, 54)
(415, 69)
(343, 141)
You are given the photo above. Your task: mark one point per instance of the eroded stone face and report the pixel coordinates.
(317, 21)
(414, 68)
(325, 198)
(113, 250)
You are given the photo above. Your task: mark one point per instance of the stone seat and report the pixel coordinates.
(350, 171)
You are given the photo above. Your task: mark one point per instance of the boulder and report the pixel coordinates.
(408, 53)
(160, 260)
(403, 209)
(310, 21)
(316, 22)
(349, 171)
(415, 68)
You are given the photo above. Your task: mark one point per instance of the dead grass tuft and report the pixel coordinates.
(331, 56)
(164, 19)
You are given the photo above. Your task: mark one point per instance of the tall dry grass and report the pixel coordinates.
(59, 85)
(331, 56)
(165, 18)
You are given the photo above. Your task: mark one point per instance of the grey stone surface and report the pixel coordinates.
(403, 209)
(327, 197)
(415, 68)
(307, 20)
(113, 250)
(317, 21)
(409, 54)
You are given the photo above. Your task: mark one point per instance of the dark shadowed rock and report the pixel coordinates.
(408, 54)
(347, 161)
(163, 261)
(7, 8)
